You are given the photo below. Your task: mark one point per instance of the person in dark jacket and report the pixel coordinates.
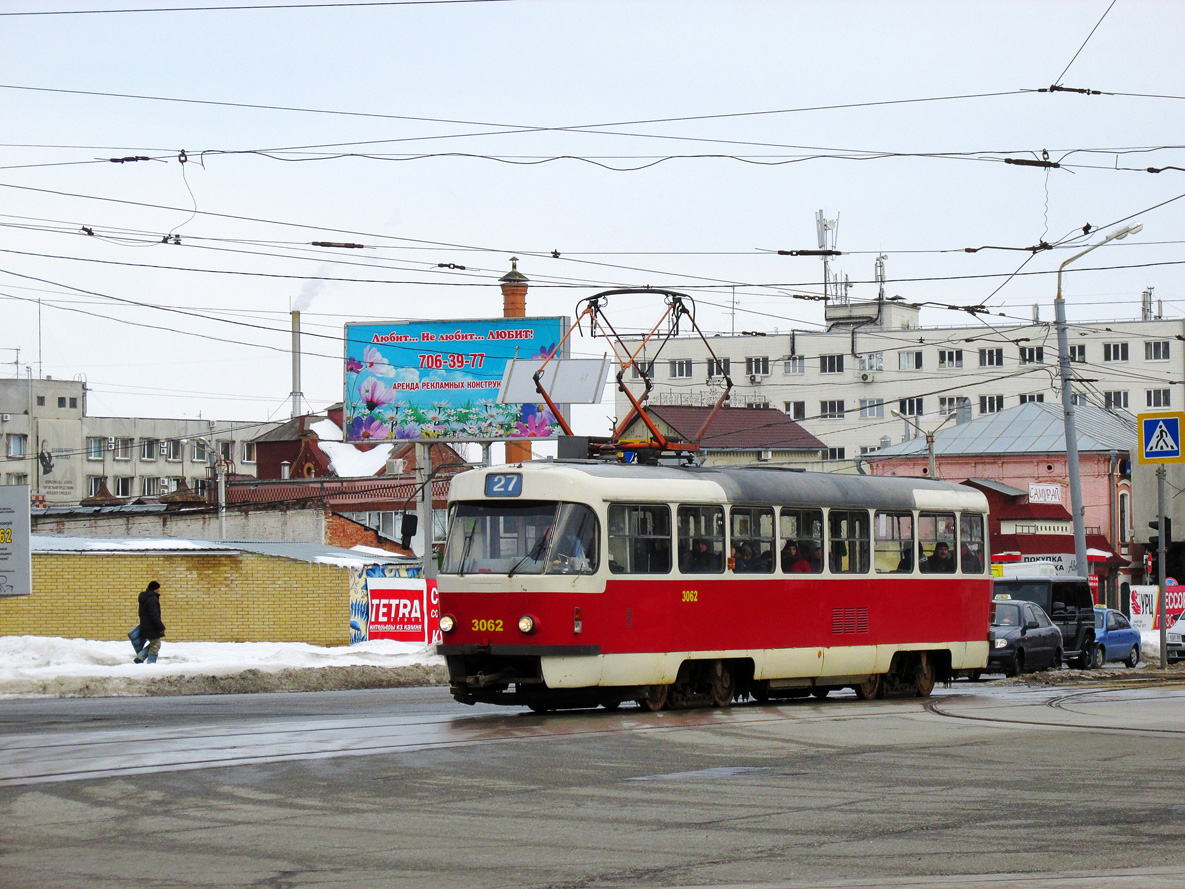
(152, 628)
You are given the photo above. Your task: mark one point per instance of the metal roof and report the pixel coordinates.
(301, 552)
(1033, 428)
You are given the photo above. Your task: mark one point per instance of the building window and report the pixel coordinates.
(17, 478)
(1078, 353)
(199, 451)
(174, 450)
(638, 366)
(148, 448)
(757, 366)
(61, 401)
(796, 410)
(719, 367)
(123, 485)
(951, 404)
(911, 407)
(991, 404)
(872, 361)
(991, 357)
(94, 447)
(173, 483)
(909, 360)
(226, 450)
(872, 407)
(830, 364)
(1032, 354)
(950, 358)
(93, 484)
(1158, 397)
(248, 452)
(836, 454)
(1124, 530)
(149, 486)
(123, 448)
(1115, 351)
(868, 449)
(795, 364)
(18, 445)
(1156, 350)
(1031, 397)
(201, 486)
(74, 403)
(41, 401)
(1114, 400)
(831, 410)
(680, 368)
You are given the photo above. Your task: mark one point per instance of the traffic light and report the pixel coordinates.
(1154, 540)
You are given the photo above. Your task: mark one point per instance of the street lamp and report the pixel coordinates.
(1059, 306)
(929, 436)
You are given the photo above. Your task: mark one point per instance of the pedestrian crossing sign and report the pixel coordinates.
(1160, 437)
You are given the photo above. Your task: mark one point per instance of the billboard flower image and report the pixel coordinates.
(409, 380)
(368, 428)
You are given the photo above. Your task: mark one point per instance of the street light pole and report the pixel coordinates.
(928, 435)
(1059, 305)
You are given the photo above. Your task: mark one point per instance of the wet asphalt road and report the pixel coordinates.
(404, 788)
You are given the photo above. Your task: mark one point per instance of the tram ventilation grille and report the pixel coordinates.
(849, 620)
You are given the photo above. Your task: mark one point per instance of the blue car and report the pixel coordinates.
(1115, 640)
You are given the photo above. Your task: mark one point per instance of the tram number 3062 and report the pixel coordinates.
(691, 595)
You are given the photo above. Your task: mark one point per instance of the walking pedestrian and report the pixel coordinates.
(152, 628)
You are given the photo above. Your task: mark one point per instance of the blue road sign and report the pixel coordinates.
(1160, 437)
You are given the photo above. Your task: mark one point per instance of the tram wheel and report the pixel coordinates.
(723, 688)
(923, 679)
(820, 693)
(656, 697)
(872, 687)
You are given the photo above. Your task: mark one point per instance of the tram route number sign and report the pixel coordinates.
(1160, 437)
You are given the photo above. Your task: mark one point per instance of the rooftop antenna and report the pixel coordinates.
(828, 230)
(1146, 305)
(880, 277)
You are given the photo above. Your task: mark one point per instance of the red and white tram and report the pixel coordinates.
(578, 583)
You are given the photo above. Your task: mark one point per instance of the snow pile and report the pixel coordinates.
(46, 665)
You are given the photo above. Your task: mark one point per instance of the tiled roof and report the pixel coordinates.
(738, 428)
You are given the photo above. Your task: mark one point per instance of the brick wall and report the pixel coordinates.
(205, 597)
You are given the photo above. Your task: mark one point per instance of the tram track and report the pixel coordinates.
(1063, 703)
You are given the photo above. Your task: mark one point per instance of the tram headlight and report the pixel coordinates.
(448, 623)
(1001, 642)
(526, 624)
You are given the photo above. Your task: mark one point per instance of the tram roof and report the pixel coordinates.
(756, 483)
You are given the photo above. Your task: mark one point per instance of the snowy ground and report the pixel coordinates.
(32, 666)
(47, 666)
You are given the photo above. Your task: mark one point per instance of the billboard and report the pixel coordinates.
(439, 379)
(16, 566)
(403, 609)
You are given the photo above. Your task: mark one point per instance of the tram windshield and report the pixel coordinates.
(524, 537)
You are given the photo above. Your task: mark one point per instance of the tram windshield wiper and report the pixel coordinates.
(534, 555)
(465, 549)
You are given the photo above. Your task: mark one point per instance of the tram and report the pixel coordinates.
(578, 583)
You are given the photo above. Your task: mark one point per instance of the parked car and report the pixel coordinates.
(1174, 649)
(1114, 638)
(1022, 637)
(1068, 603)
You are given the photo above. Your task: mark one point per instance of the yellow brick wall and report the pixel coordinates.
(204, 598)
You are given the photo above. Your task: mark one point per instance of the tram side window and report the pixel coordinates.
(848, 537)
(936, 538)
(893, 551)
(701, 539)
(574, 549)
(971, 543)
(752, 540)
(639, 538)
(801, 531)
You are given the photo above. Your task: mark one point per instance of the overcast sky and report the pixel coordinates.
(670, 144)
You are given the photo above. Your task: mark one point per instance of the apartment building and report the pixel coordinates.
(51, 444)
(875, 375)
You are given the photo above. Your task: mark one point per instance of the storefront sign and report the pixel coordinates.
(403, 609)
(1045, 493)
(1143, 605)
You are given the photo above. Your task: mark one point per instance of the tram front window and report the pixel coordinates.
(533, 537)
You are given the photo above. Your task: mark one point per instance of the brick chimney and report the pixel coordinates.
(514, 292)
(514, 305)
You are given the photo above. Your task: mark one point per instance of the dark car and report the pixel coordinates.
(1114, 638)
(1068, 603)
(1022, 638)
